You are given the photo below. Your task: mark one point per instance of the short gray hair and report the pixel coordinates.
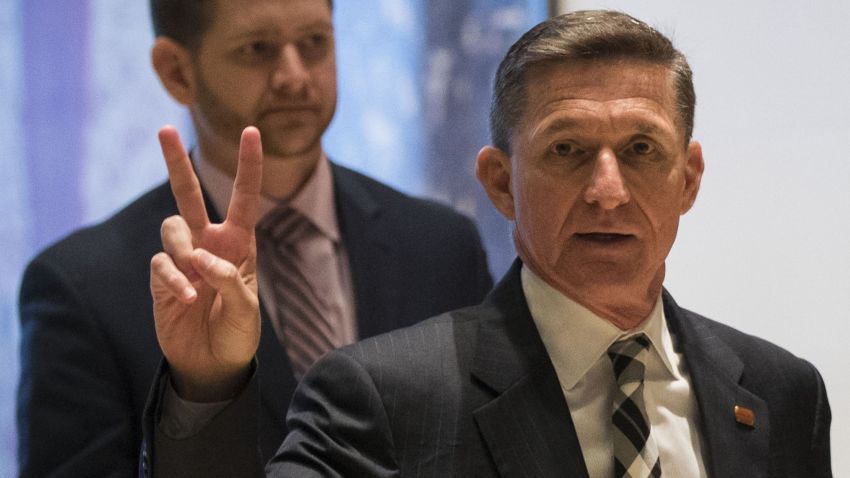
(584, 35)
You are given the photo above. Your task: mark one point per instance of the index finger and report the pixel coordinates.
(245, 200)
(184, 183)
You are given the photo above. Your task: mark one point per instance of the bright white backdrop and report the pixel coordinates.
(767, 247)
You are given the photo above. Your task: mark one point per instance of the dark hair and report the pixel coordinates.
(185, 21)
(584, 35)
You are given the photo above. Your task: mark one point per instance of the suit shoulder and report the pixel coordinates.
(761, 358)
(431, 339)
(123, 242)
(398, 202)
(137, 221)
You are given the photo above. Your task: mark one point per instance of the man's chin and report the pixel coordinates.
(605, 275)
(284, 154)
(289, 148)
(291, 139)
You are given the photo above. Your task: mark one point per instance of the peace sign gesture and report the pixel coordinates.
(204, 284)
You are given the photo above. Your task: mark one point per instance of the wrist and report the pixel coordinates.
(210, 389)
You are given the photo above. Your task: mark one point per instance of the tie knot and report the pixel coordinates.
(283, 225)
(627, 358)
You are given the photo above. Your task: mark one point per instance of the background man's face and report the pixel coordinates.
(600, 175)
(268, 63)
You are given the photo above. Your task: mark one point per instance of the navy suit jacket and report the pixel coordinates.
(474, 393)
(89, 350)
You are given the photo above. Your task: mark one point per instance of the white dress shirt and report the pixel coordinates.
(577, 342)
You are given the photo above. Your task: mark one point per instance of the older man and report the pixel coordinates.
(367, 258)
(578, 363)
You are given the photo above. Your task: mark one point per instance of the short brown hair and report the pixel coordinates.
(185, 21)
(584, 35)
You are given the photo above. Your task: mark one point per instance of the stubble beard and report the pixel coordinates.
(225, 123)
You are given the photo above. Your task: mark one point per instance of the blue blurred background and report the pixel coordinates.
(81, 107)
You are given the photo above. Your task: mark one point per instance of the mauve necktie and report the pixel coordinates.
(299, 271)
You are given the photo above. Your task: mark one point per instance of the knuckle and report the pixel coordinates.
(168, 225)
(173, 280)
(158, 261)
(229, 272)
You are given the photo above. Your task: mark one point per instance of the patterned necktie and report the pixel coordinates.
(307, 330)
(635, 452)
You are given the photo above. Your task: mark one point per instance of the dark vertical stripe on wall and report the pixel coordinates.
(55, 48)
(466, 40)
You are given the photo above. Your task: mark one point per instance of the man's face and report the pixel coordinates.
(599, 176)
(268, 63)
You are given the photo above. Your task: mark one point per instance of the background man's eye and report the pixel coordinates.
(563, 149)
(642, 148)
(258, 49)
(314, 47)
(317, 40)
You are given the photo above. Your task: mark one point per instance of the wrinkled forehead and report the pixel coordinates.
(599, 80)
(568, 91)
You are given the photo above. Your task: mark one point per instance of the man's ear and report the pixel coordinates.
(493, 168)
(694, 167)
(173, 64)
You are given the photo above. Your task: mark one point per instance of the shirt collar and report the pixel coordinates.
(315, 200)
(575, 338)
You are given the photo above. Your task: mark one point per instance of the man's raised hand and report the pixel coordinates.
(204, 284)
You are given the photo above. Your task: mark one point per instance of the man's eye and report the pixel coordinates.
(258, 49)
(316, 40)
(563, 149)
(314, 47)
(642, 148)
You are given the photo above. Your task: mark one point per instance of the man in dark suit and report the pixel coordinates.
(579, 363)
(88, 342)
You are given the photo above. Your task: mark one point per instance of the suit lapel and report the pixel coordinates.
(277, 380)
(527, 426)
(370, 253)
(729, 448)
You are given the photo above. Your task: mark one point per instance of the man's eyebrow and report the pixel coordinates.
(317, 25)
(648, 128)
(560, 124)
(263, 30)
(566, 123)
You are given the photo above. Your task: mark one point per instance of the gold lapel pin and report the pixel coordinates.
(745, 416)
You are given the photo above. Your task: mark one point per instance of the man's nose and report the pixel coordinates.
(291, 73)
(607, 186)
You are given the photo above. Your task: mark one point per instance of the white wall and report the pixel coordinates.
(767, 247)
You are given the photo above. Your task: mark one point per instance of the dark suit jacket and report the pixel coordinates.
(472, 393)
(89, 350)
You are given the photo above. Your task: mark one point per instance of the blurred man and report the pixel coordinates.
(364, 258)
(579, 363)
